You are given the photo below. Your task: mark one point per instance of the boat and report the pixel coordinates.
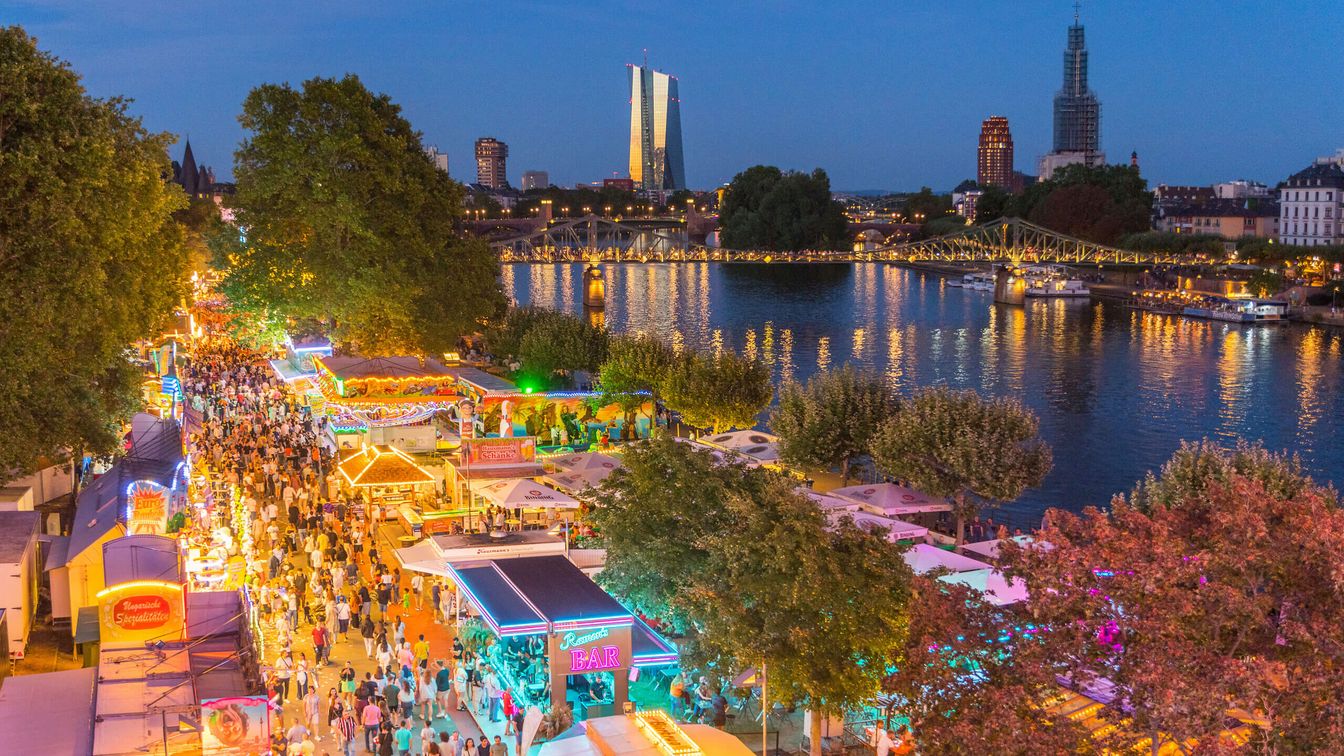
(1053, 281)
(1238, 309)
(979, 281)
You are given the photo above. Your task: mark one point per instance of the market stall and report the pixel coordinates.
(923, 558)
(892, 529)
(998, 590)
(557, 638)
(390, 478)
(520, 497)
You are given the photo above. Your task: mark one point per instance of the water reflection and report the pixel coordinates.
(1116, 389)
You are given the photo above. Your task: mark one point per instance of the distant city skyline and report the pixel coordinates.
(881, 96)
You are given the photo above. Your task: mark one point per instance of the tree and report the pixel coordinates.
(1265, 283)
(1222, 605)
(720, 392)
(993, 204)
(90, 257)
(823, 609)
(959, 445)
(924, 206)
(766, 208)
(1097, 203)
(744, 565)
(964, 681)
(559, 344)
(634, 372)
(654, 514)
(1197, 466)
(346, 220)
(831, 421)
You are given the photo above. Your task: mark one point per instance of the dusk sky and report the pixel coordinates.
(883, 95)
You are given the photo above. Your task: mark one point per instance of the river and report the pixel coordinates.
(1115, 389)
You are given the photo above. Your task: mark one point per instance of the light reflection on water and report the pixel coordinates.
(1115, 389)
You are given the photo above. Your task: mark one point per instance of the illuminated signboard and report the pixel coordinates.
(235, 725)
(146, 508)
(141, 610)
(487, 452)
(603, 649)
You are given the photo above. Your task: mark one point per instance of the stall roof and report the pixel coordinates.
(502, 606)
(896, 530)
(584, 461)
(561, 592)
(575, 482)
(17, 530)
(760, 446)
(49, 713)
(486, 383)
(649, 648)
(990, 549)
(346, 368)
(141, 557)
(527, 494)
(997, 589)
(382, 465)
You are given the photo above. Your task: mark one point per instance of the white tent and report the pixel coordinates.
(761, 447)
(924, 558)
(990, 549)
(896, 530)
(827, 502)
(577, 481)
(892, 500)
(527, 494)
(998, 591)
(581, 461)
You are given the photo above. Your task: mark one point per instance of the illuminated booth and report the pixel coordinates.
(558, 637)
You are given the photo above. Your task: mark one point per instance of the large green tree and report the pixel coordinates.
(558, 345)
(90, 257)
(349, 222)
(1098, 203)
(634, 372)
(766, 208)
(959, 445)
(830, 421)
(718, 391)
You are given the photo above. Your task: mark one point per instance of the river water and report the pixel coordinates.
(1115, 389)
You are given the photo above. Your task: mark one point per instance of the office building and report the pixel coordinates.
(440, 159)
(491, 157)
(1077, 112)
(994, 164)
(1228, 218)
(535, 180)
(655, 131)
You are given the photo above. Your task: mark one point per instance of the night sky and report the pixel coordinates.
(884, 95)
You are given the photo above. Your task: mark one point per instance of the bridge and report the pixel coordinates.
(1004, 240)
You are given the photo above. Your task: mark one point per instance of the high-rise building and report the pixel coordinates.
(1077, 112)
(440, 159)
(994, 166)
(655, 131)
(491, 155)
(535, 180)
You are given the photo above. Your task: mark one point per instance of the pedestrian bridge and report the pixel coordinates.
(1004, 240)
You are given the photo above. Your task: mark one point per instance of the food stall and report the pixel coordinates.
(391, 479)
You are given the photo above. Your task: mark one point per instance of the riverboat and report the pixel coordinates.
(1053, 281)
(1238, 310)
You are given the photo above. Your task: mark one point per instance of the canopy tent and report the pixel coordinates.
(896, 530)
(998, 591)
(575, 482)
(584, 461)
(423, 557)
(990, 549)
(382, 465)
(758, 446)
(828, 502)
(526, 494)
(892, 500)
(924, 558)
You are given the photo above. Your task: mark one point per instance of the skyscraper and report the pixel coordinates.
(655, 131)
(535, 180)
(1077, 111)
(994, 166)
(491, 155)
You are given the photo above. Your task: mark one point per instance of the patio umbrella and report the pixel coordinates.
(581, 461)
(523, 493)
(924, 558)
(998, 591)
(892, 500)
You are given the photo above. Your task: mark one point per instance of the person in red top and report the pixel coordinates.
(508, 711)
(319, 643)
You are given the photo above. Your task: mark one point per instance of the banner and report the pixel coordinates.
(498, 452)
(140, 611)
(238, 725)
(147, 508)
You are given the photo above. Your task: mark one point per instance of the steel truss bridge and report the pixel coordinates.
(1006, 240)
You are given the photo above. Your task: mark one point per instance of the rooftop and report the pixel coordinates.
(17, 530)
(346, 368)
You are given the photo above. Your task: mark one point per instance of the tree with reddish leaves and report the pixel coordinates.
(1217, 602)
(962, 682)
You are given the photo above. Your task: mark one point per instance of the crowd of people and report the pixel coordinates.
(314, 569)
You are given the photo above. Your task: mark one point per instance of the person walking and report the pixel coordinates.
(366, 632)
(312, 710)
(284, 669)
(443, 686)
(345, 731)
(372, 717)
(422, 652)
(498, 748)
(403, 735)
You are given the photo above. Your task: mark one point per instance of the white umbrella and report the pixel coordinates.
(896, 530)
(892, 500)
(577, 481)
(521, 492)
(761, 447)
(998, 591)
(581, 461)
(924, 558)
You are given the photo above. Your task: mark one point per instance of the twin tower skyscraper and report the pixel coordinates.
(656, 162)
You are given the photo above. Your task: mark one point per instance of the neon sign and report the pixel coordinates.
(570, 640)
(594, 659)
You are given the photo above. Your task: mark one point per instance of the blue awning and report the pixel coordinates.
(501, 606)
(562, 594)
(649, 648)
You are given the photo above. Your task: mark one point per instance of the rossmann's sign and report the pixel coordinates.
(141, 610)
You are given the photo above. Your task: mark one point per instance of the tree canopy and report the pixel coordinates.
(548, 345)
(831, 421)
(766, 208)
(718, 391)
(90, 257)
(1217, 602)
(346, 220)
(960, 445)
(1100, 204)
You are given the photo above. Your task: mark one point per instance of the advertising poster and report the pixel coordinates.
(238, 725)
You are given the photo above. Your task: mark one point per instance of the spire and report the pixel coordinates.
(189, 176)
(1076, 7)
(1134, 159)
